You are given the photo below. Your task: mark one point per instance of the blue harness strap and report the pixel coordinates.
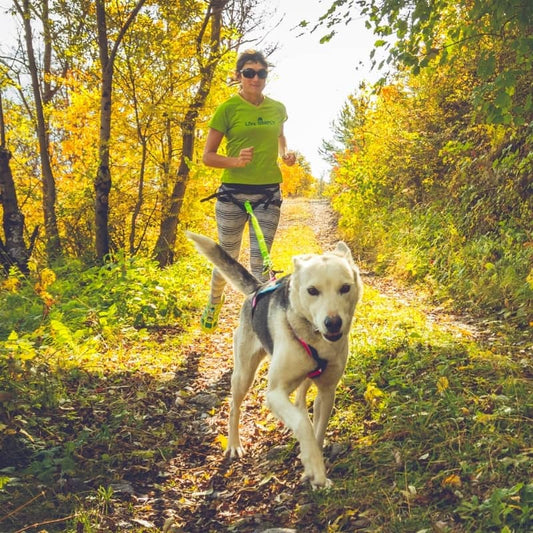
(263, 291)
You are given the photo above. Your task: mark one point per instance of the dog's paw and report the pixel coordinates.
(317, 481)
(327, 485)
(234, 452)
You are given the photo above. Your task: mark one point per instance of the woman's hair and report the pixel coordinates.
(250, 55)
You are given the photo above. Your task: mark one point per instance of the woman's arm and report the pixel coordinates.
(289, 158)
(212, 158)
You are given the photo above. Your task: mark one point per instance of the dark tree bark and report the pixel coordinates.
(164, 249)
(13, 252)
(102, 182)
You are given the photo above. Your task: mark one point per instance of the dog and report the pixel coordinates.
(302, 321)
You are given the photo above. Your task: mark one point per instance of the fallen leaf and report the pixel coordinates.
(452, 481)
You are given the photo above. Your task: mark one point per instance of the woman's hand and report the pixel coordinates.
(289, 158)
(212, 158)
(245, 157)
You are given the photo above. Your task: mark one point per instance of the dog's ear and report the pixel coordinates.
(343, 251)
(299, 260)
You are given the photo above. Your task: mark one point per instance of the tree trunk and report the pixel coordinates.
(14, 251)
(140, 197)
(53, 243)
(102, 182)
(164, 249)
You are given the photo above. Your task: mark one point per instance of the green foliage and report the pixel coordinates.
(432, 197)
(70, 339)
(99, 302)
(437, 427)
(417, 34)
(506, 510)
(488, 273)
(80, 312)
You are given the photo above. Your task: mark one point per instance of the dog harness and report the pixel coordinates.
(312, 352)
(321, 363)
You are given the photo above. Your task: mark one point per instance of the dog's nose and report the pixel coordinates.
(333, 323)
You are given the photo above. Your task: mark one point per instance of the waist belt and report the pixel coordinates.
(227, 194)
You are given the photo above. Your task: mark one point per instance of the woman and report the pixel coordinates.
(252, 124)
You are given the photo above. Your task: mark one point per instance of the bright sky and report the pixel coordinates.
(313, 80)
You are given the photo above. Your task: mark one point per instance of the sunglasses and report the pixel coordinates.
(251, 73)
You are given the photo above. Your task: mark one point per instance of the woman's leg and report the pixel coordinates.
(231, 220)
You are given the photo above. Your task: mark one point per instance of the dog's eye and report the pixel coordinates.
(313, 291)
(345, 288)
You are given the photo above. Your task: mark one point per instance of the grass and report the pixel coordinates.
(437, 422)
(438, 427)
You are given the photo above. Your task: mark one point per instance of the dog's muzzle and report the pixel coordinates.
(333, 326)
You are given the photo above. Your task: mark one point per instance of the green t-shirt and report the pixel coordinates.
(245, 125)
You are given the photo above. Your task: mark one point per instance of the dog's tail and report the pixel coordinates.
(232, 270)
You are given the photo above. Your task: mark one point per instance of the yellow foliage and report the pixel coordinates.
(298, 180)
(442, 384)
(10, 284)
(373, 395)
(222, 440)
(47, 277)
(453, 481)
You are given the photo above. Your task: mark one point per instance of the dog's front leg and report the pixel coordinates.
(301, 396)
(322, 408)
(325, 398)
(298, 422)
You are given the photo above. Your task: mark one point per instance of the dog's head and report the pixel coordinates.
(325, 289)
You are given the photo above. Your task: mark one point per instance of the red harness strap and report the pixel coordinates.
(321, 363)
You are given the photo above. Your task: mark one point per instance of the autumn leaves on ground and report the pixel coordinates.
(431, 431)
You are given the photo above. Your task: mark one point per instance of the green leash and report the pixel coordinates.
(267, 262)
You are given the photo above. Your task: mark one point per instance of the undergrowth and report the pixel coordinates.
(428, 247)
(86, 360)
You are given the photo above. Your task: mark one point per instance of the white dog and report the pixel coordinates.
(302, 321)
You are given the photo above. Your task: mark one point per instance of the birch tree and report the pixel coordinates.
(42, 95)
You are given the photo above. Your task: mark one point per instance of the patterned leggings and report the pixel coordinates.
(231, 221)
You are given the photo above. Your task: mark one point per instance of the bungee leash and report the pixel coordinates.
(268, 267)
